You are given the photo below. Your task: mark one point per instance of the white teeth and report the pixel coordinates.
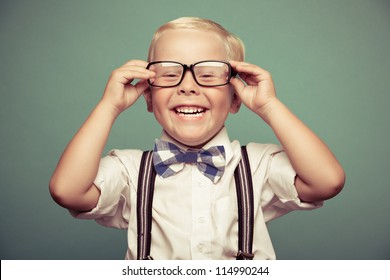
(190, 110)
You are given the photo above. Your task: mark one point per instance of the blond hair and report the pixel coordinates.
(234, 46)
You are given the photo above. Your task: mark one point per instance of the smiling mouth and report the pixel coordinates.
(190, 111)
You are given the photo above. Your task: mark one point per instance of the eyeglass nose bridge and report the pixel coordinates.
(188, 68)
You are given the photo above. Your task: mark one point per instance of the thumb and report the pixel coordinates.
(141, 86)
(238, 85)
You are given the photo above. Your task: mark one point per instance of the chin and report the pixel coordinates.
(193, 137)
(195, 141)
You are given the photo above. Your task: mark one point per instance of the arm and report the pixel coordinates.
(319, 174)
(71, 185)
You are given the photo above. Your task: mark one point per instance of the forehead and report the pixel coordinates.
(189, 46)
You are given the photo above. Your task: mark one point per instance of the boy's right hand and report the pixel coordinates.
(72, 184)
(119, 91)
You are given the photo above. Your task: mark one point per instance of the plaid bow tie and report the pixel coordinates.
(169, 159)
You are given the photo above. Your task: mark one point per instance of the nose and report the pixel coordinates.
(188, 85)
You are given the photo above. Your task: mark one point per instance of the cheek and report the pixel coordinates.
(224, 99)
(221, 108)
(160, 102)
(158, 98)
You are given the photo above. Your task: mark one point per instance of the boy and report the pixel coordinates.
(195, 77)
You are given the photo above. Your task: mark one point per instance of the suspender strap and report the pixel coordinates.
(146, 178)
(244, 189)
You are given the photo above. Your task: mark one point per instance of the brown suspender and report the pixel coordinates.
(244, 189)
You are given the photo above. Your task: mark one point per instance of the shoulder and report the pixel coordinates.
(259, 150)
(119, 167)
(130, 158)
(260, 154)
(125, 153)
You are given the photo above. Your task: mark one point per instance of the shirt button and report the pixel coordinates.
(201, 184)
(201, 220)
(200, 247)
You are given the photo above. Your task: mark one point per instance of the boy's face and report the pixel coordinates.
(190, 113)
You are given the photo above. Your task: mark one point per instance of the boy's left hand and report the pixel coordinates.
(319, 174)
(257, 91)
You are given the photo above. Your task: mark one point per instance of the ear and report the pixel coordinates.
(148, 98)
(236, 104)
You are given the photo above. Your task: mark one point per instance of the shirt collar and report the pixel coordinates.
(220, 139)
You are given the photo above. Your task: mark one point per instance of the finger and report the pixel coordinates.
(138, 67)
(141, 86)
(251, 73)
(127, 75)
(239, 64)
(246, 67)
(135, 68)
(136, 62)
(238, 85)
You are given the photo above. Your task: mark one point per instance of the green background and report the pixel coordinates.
(330, 63)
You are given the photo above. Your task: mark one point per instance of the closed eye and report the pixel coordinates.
(207, 76)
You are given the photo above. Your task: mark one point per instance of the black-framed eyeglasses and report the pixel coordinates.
(208, 73)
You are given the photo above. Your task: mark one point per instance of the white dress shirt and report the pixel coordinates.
(193, 218)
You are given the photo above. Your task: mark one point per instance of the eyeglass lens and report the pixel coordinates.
(207, 73)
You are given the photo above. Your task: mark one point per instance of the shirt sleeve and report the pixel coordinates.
(277, 176)
(114, 180)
